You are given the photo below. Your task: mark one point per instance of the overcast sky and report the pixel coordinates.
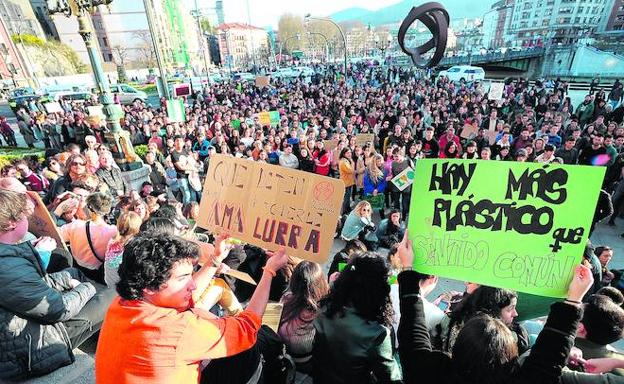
(267, 12)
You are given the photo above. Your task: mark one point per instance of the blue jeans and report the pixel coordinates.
(185, 190)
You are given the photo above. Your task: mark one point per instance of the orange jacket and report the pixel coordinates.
(142, 343)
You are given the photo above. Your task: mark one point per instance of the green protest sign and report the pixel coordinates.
(236, 124)
(274, 117)
(175, 111)
(521, 226)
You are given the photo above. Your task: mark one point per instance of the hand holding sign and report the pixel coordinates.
(580, 284)
(405, 251)
(277, 260)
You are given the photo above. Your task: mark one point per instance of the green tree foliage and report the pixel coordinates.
(55, 46)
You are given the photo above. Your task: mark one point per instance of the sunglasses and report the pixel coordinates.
(78, 163)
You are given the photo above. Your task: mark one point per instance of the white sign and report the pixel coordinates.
(496, 91)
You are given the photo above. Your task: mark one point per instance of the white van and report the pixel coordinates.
(464, 73)
(127, 94)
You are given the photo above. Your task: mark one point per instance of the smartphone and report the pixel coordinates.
(443, 305)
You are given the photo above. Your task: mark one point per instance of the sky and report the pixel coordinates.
(265, 13)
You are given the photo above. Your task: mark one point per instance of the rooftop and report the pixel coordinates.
(227, 26)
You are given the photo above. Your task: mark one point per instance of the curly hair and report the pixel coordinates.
(363, 284)
(148, 260)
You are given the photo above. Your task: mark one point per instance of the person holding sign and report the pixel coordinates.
(347, 175)
(485, 350)
(375, 183)
(156, 298)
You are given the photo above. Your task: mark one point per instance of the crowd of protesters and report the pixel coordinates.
(138, 269)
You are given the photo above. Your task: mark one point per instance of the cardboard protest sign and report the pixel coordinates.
(469, 131)
(496, 91)
(491, 135)
(264, 118)
(53, 107)
(272, 206)
(363, 138)
(520, 226)
(262, 81)
(40, 223)
(273, 315)
(330, 145)
(404, 179)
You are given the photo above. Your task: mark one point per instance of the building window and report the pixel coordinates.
(3, 49)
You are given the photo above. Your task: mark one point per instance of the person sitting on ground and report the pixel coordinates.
(359, 225)
(353, 342)
(306, 288)
(89, 239)
(485, 350)
(602, 324)
(495, 302)
(344, 255)
(43, 316)
(75, 166)
(391, 230)
(156, 295)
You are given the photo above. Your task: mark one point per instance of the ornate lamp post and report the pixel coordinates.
(118, 140)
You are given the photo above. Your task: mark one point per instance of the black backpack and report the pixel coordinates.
(279, 367)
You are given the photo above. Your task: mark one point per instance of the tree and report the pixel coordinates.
(290, 25)
(121, 55)
(145, 49)
(205, 25)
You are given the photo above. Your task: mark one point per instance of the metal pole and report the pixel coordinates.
(159, 61)
(326, 44)
(202, 41)
(344, 39)
(111, 113)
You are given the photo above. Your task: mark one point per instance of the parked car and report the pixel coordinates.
(464, 73)
(243, 76)
(128, 94)
(20, 97)
(303, 71)
(284, 73)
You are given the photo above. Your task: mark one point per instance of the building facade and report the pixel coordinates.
(541, 22)
(123, 34)
(614, 20)
(40, 8)
(13, 72)
(241, 44)
(19, 18)
(496, 24)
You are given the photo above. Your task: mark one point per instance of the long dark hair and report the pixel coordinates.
(306, 289)
(363, 285)
(483, 301)
(485, 352)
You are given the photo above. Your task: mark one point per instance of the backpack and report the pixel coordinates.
(279, 367)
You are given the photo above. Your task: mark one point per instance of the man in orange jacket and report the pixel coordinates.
(152, 333)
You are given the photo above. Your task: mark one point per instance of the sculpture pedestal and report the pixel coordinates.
(121, 147)
(137, 177)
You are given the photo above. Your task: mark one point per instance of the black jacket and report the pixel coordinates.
(33, 305)
(423, 365)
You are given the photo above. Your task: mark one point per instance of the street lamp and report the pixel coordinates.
(344, 39)
(310, 33)
(383, 45)
(295, 36)
(118, 139)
